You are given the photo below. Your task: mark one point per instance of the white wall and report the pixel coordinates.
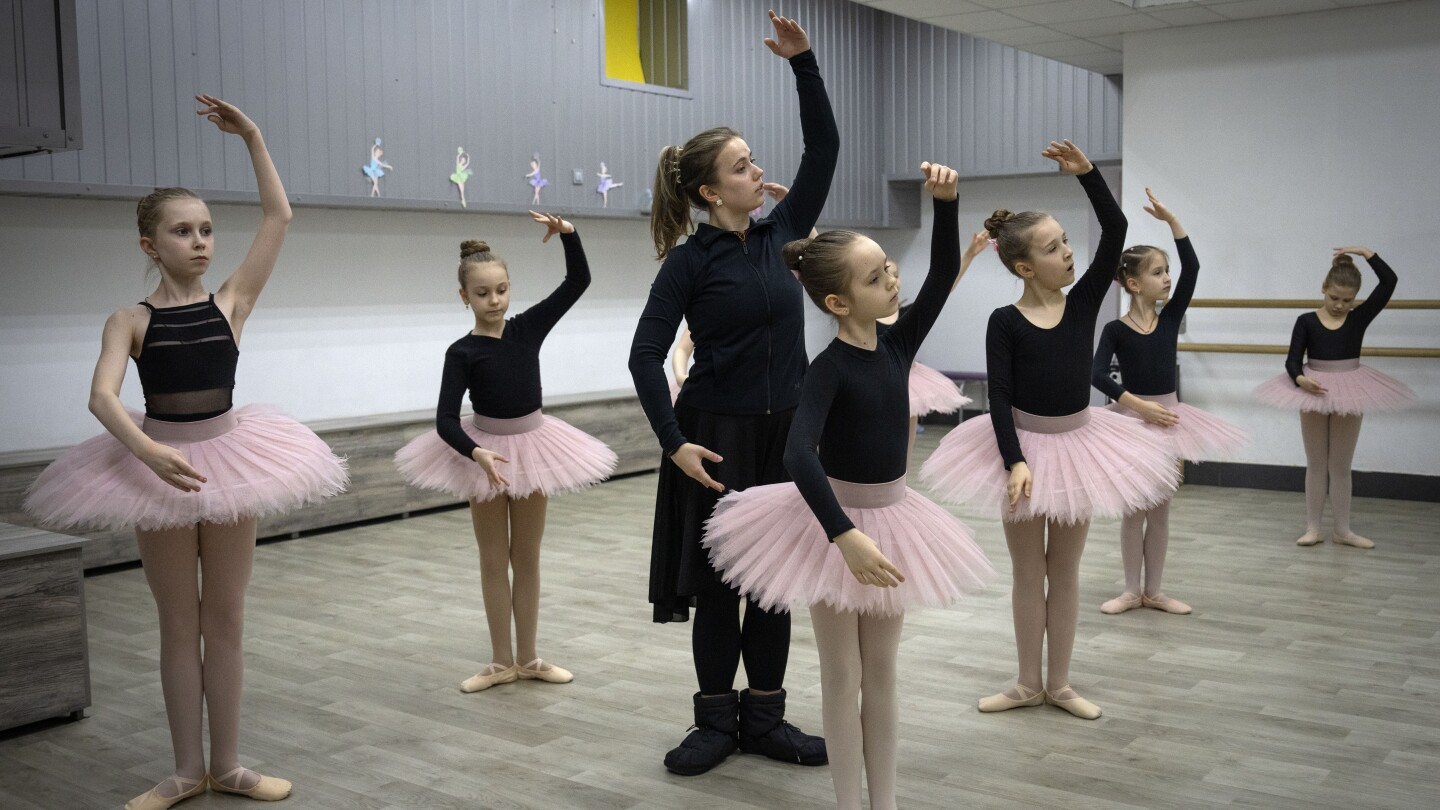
(361, 307)
(354, 322)
(1275, 140)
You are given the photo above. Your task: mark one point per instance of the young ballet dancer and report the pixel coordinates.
(868, 547)
(508, 458)
(930, 391)
(744, 308)
(1144, 343)
(1325, 380)
(1066, 462)
(193, 474)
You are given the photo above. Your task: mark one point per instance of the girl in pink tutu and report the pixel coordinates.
(930, 391)
(1145, 342)
(1086, 462)
(847, 453)
(508, 458)
(1325, 380)
(193, 474)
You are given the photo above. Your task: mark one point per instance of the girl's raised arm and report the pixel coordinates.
(239, 292)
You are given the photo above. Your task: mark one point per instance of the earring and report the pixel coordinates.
(719, 202)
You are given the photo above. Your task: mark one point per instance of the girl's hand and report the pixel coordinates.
(941, 182)
(691, 457)
(487, 459)
(1363, 252)
(167, 462)
(1155, 413)
(1070, 158)
(790, 39)
(1020, 483)
(226, 116)
(1310, 385)
(776, 191)
(978, 244)
(553, 224)
(866, 562)
(1157, 209)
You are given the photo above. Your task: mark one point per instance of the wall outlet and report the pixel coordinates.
(578, 178)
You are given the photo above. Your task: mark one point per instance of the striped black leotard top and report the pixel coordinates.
(187, 362)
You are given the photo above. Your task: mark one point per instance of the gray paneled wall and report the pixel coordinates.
(986, 108)
(507, 79)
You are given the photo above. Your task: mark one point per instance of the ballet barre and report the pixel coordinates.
(1260, 348)
(1300, 303)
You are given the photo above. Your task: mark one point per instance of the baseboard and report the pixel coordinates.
(1398, 486)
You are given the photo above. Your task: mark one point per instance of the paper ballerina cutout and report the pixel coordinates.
(606, 183)
(462, 172)
(537, 180)
(376, 168)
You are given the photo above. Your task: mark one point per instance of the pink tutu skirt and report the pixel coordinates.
(256, 462)
(933, 392)
(1089, 464)
(546, 455)
(1351, 388)
(1197, 436)
(765, 541)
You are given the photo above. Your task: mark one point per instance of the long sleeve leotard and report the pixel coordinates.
(503, 374)
(1312, 339)
(1147, 361)
(853, 423)
(1047, 371)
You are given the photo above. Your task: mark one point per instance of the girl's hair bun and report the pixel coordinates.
(473, 246)
(794, 252)
(997, 220)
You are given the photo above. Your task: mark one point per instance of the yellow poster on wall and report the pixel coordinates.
(622, 41)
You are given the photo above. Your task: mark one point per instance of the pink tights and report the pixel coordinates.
(1144, 537)
(201, 624)
(1330, 441)
(1046, 596)
(858, 702)
(508, 532)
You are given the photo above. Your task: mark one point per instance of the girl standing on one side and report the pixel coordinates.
(508, 458)
(1145, 342)
(1066, 462)
(1325, 380)
(194, 474)
(847, 451)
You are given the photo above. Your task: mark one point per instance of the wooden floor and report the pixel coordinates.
(1306, 678)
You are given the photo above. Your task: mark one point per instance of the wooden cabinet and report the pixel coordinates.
(44, 652)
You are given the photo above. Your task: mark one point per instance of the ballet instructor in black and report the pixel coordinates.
(745, 311)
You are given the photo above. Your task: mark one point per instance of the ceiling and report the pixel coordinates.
(1087, 33)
